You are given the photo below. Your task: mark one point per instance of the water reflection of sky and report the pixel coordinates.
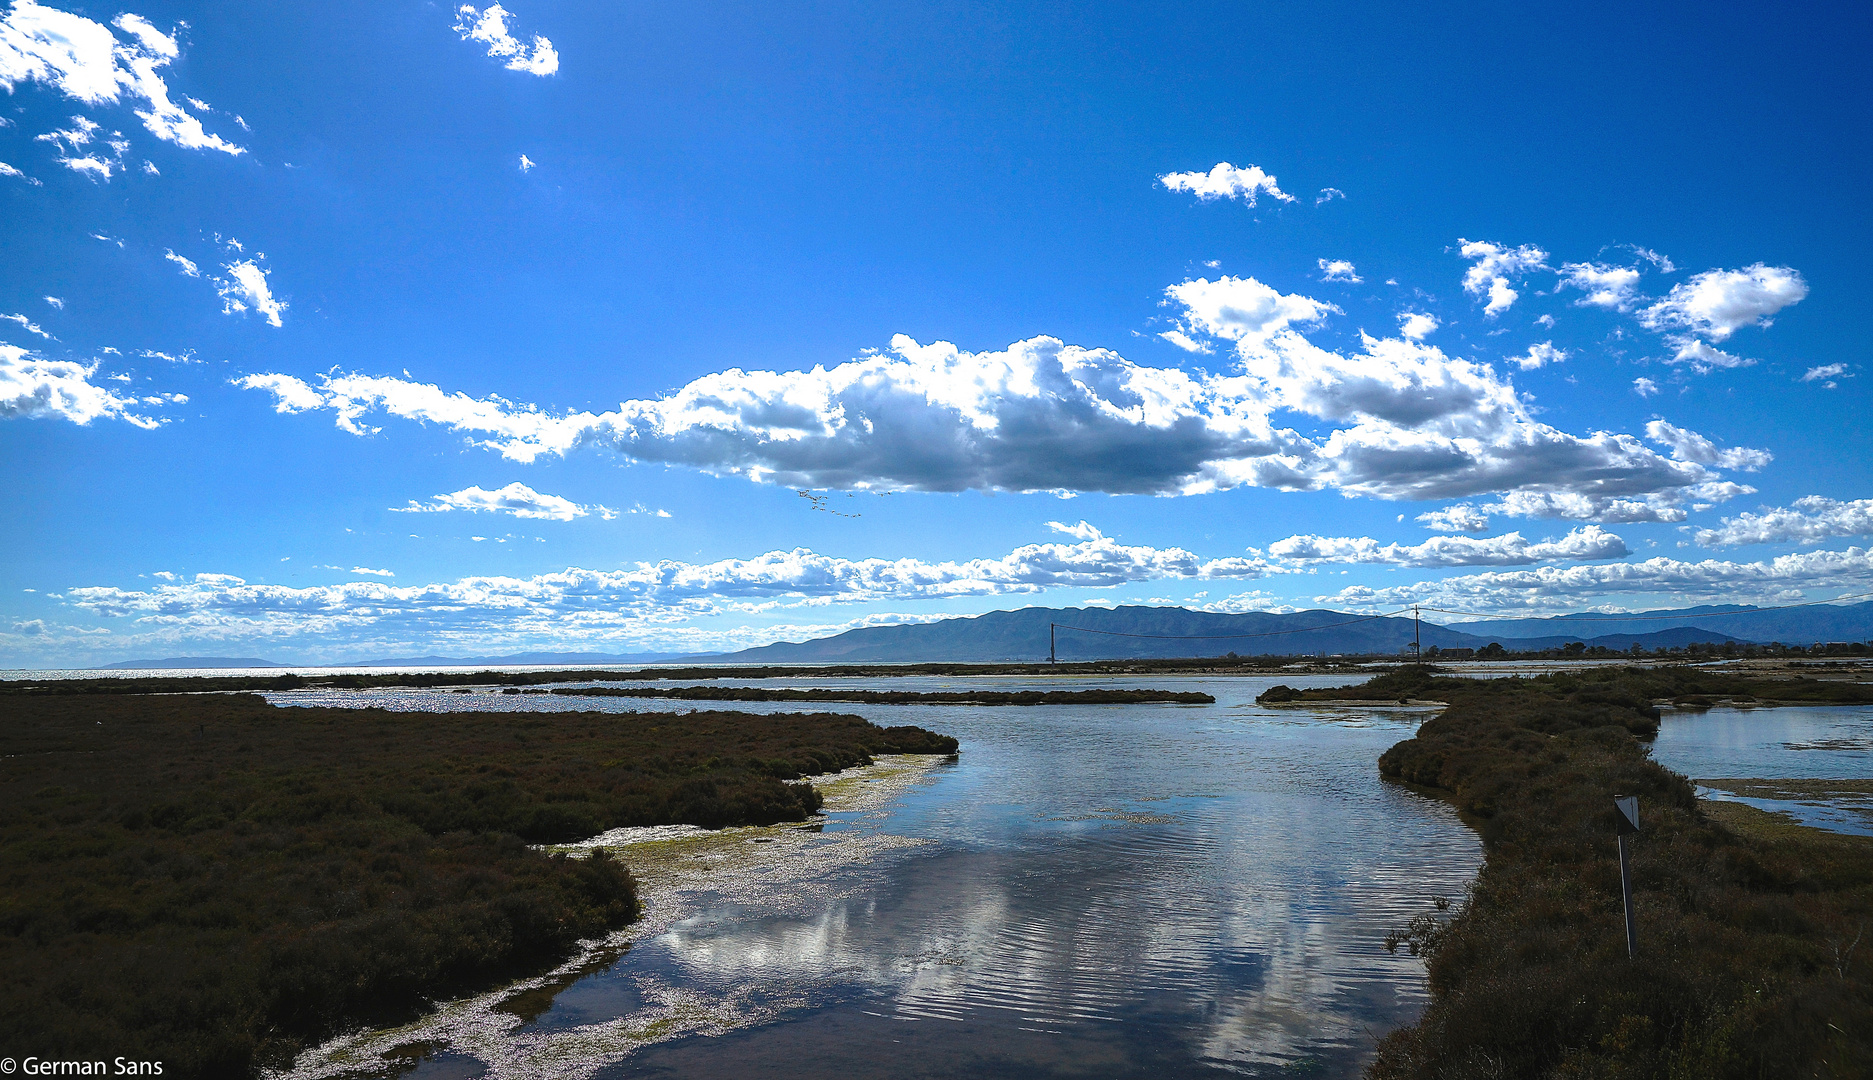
(1781, 743)
(1785, 742)
(1108, 890)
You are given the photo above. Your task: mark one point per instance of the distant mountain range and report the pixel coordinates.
(192, 662)
(1791, 626)
(1168, 632)
(1154, 632)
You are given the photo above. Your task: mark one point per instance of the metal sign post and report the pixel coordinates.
(1628, 824)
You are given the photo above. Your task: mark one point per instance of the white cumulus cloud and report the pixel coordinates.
(1509, 549)
(1717, 303)
(1339, 270)
(595, 603)
(516, 498)
(1461, 518)
(1703, 357)
(1555, 589)
(489, 27)
(1416, 325)
(32, 387)
(86, 61)
(1809, 521)
(1402, 419)
(1495, 268)
(246, 287)
(1576, 506)
(1225, 181)
(1690, 446)
(1539, 354)
(1612, 287)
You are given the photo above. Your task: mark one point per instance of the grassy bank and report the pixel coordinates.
(895, 697)
(1753, 955)
(213, 882)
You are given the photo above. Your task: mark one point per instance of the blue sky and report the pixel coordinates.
(355, 330)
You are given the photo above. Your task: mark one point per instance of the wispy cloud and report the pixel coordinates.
(28, 325)
(10, 171)
(1825, 374)
(1339, 270)
(189, 269)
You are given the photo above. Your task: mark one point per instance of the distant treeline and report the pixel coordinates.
(1753, 955)
(215, 883)
(895, 697)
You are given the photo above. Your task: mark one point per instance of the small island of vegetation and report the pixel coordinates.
(215, 882)
(1753, 952)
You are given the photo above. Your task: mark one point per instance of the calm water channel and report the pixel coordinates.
(1787, 742)
(1086, 891)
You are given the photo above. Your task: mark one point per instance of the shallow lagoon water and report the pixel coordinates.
(1780, 743)
(1110, 890)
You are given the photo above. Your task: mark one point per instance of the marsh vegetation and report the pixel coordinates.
(214, 882)
(1752, 953)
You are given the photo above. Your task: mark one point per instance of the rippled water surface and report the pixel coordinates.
(1085, 891)
(1786, 742)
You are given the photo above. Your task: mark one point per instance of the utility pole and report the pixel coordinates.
(1050, 643)
(1417, 651)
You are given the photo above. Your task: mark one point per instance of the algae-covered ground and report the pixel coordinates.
(215, 883)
